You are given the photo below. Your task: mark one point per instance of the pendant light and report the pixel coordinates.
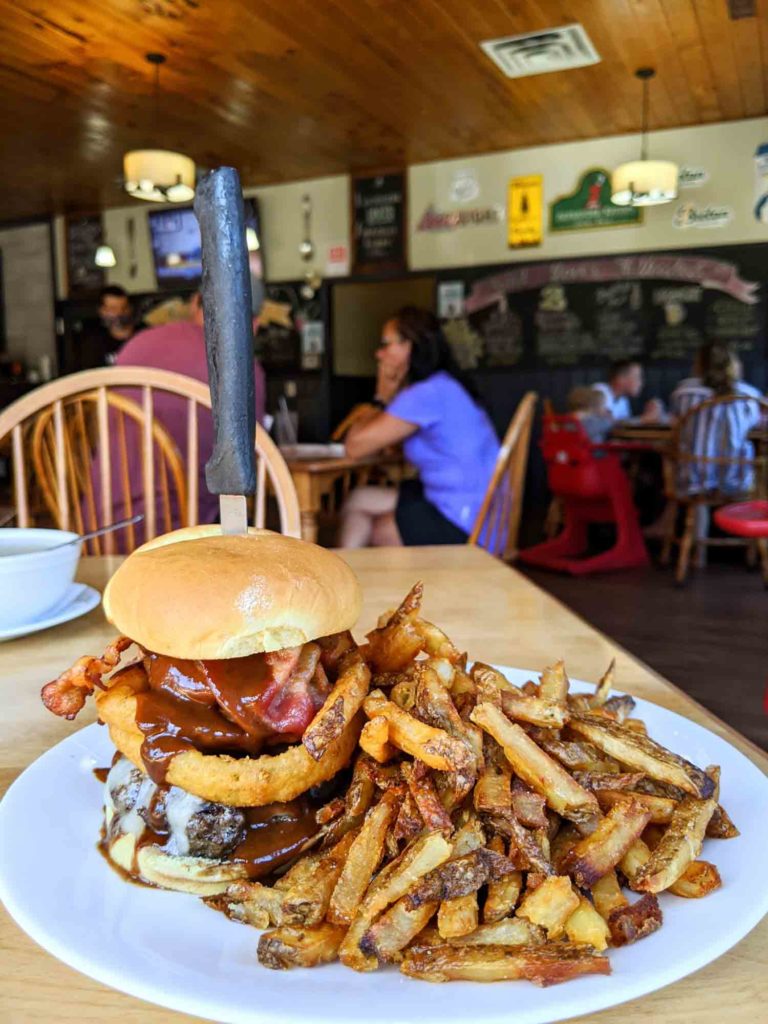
(644, 182)
(105, 256)
(159, 175)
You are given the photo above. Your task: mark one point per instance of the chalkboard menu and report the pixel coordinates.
(656, 307)
(84, 236)
(378, 223)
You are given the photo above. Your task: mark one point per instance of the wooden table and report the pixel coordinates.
(492, 611)
(316, 478)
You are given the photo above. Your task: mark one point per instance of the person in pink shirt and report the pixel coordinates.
(180, 348)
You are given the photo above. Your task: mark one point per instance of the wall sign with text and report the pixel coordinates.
(524, 211)
(590, 206)
(378, 222)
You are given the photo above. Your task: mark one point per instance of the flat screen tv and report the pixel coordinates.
(175, 238)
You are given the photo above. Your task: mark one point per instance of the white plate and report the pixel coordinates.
(78, 600)
(171, 949)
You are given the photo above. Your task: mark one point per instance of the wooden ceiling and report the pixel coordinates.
(288, 89)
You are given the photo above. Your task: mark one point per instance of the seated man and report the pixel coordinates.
(625, 381)
(180, 348)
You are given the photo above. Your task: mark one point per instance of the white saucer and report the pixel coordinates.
(78, 600)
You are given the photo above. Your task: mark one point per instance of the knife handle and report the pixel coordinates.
(226, 292)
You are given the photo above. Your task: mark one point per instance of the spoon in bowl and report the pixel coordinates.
(119, 525)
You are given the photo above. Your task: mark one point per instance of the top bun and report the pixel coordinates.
(197, 593)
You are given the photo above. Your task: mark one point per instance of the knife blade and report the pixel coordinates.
(226, 291)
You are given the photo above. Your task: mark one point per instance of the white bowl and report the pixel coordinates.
(33, 579)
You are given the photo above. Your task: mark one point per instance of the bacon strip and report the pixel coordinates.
(66, 695)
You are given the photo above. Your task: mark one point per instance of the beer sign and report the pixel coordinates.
(590, 206)
(524, 211)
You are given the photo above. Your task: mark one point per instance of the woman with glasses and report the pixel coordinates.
(424, 402)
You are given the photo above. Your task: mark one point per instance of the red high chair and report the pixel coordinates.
(593, 488)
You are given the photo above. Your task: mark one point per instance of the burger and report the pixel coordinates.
(232, 698)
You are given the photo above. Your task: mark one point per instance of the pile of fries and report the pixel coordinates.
(489, 832)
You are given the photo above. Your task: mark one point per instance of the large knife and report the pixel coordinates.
(226, 291)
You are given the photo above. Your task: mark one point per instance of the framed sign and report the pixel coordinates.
(378, 223)
(84, 236)
(524, 210)
(590, 206)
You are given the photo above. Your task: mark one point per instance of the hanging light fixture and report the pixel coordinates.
(105, 256)
(159, 175)
(644, 182)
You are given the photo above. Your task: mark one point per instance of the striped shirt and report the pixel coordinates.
(718, 432)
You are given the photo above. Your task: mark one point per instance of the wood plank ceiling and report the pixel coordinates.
(287, 89)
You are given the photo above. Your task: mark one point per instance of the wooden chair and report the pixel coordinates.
(498, 522)
(696, 481)
(53, 399)
(80, 414)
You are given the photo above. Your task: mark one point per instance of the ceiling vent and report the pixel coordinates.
(556, 49)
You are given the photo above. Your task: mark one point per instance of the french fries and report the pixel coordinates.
(699, 879)
(426, 853)
(536, 710)
(638, 751)
(432, 746)
(502, 896)
(607, 895)
(535, 767)
(596, 854)
(553, 685)
(631, 923)
(339, 708)
(300, 947)
(587, 926)
(550, 905)
(543, 965)
(363, 857)
(679, 846)
(374, 740)
(488, 832)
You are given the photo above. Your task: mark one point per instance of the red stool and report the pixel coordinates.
(747, 519)
(593, 488)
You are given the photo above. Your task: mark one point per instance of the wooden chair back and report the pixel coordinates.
(17, 421)
(78, 506)
(498, 522)
(707, 454)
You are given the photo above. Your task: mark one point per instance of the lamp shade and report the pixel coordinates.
(159, 175)
(105, 256)
(644, 183)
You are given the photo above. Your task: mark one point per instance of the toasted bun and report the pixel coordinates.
(183, 874)
(199, 594)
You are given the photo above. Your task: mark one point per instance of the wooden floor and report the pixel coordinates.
(710, 638)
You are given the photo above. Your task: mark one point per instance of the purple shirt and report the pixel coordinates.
(180, 348)
(454, 448)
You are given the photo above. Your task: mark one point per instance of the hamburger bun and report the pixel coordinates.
(199, 594)
(197, 875)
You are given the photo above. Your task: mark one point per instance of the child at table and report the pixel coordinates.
(590, 408)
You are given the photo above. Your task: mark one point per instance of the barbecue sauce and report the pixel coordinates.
(274, 835)
(179, 713)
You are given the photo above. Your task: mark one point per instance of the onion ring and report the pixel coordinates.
(237, 781)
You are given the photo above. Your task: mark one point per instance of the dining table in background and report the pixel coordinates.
(317, 479)
(490, 610)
